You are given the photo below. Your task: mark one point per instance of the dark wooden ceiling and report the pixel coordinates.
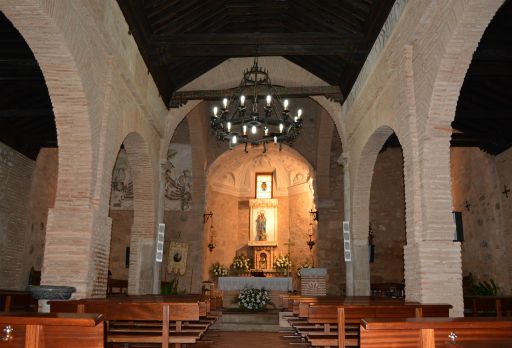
(182, 39)
(484, 110)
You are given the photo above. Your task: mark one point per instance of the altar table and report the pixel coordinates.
(238, 283)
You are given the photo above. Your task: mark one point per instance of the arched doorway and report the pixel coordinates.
(121, 213)
(387, 235)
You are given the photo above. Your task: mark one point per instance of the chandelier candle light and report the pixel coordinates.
(268, 123)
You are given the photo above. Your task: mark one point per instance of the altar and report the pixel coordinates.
(231, 286)
(283, 284)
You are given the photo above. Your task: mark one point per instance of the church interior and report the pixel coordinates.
(336, 153)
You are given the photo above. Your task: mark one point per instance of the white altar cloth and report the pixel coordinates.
(238, 283)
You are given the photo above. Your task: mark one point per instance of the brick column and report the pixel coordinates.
(433, 273)
(69, 240)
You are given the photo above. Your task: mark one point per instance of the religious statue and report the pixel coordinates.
(261, 226)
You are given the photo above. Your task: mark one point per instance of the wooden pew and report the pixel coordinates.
(192, 326)
(17, 301)
(489, 305)
(349, 314)
(55, 330)
(120, 284)
(157, 316)
(433, 332)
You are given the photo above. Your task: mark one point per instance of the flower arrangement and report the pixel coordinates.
(253, 299)
(241, 263)
(304, 265)
(282, 263)
(219, 270)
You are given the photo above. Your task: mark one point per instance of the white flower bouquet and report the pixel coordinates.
(241, 263)
(253, 299)
(219, 270)
(282, 263)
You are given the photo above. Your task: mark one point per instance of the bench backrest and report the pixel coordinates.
(352, 314)
(432, 332)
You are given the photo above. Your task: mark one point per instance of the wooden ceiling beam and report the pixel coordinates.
(331, 92)
(164, 47)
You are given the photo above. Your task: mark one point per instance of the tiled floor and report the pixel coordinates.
(241, 339)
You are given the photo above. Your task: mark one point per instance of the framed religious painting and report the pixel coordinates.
(263, 222)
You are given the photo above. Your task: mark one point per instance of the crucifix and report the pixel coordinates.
(289, 244)
(467, 205)
(506, 191)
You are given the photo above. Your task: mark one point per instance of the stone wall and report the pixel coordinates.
(387, 217)
(122, 221)
(42, 198)
(329, 248)
(478, 180)
(15, 181)
(27, 191)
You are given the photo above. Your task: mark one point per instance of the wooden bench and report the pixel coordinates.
(195, 325)
(497, 306)
(17, 301)
(55, 330)
(138, 322)
(433, 332)
(347, 316)
(120, 285)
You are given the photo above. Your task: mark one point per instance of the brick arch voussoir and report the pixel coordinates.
(435, 150)
(456, 60)
(67, 95)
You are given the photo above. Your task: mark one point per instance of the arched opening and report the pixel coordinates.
(193, 148)
(28, 161)
(387, 236)
(481, 162)
(121, 215)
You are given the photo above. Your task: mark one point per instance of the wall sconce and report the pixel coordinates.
(311, 243)
(313, 215)
(207, 217)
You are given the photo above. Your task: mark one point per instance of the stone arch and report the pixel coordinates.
(229, 160)
(142, 246)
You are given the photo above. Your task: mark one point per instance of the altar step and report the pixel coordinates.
(265, 322)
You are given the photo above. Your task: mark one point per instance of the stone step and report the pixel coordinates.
(267, 322)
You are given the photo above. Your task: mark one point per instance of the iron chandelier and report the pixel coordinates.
(262, 124)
